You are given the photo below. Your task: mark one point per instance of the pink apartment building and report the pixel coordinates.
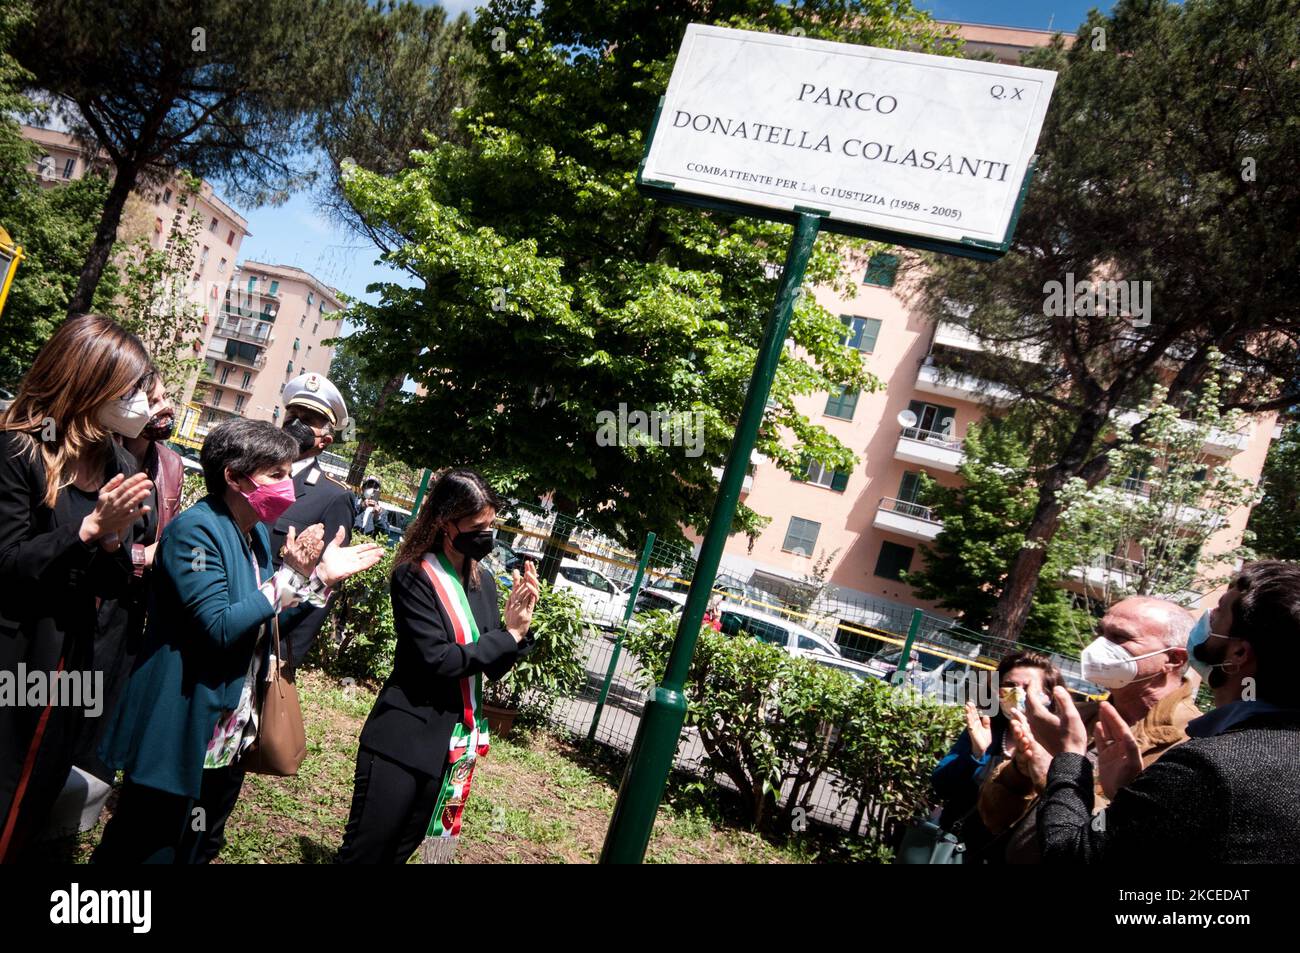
(869, 522)
(269, 329)
(264, 323)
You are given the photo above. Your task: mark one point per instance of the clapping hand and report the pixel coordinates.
(979, 728)
(338, 562)
(1031, 758)
(302, 550)
(1059, 730)
(1119, 759)
(120, 503)
(522, 600)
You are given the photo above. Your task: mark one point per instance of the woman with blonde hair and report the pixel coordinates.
(69, 495)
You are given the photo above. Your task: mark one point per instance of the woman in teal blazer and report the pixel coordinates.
(185, 707)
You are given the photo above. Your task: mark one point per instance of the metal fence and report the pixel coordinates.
(611, 582)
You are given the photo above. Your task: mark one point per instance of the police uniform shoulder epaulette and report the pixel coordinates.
(336, 481)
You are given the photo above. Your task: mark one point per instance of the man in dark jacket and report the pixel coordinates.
(314, 411)
(1228, 794)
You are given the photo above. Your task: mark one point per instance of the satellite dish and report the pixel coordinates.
(906, 419)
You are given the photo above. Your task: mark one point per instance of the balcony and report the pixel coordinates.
(1132, 490)
(230, 383)
(907, 519)
(933, 380)
(1115, 577)
(219, 354)
(929, 448)
(252, 331)
(746, 485)
(1218, 443)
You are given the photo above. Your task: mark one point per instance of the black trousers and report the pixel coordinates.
(150, 826)
(391, 807)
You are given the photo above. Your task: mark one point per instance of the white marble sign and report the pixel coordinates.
(931, 146)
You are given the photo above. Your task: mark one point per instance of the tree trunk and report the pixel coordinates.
(1017, 595)
(102, 246)
(361, 459)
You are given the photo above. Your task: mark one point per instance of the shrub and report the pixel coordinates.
(554, 668)
(772, 722)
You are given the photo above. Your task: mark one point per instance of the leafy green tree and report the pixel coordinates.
(551, 291)
(1143, 529)
(1167, 162)
(984, 523)
(1275, 520)
(53, 225)
(217, 87)
(155, 303)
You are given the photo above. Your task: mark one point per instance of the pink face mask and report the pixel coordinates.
(270, 500)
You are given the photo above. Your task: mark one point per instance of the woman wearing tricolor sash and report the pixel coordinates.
(428, 729)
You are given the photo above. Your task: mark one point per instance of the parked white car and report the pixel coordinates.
(603, 601)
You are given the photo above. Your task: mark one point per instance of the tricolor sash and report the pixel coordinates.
(469, 737)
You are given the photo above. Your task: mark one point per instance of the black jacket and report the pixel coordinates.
(317, 499)
(1227, 799)
(51, 584)
(419, 705)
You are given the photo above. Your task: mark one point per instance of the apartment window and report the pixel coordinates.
(934, 418)
(894, 560)
(881, 270)
(252, 284)
(69, 167)
(45, 167)
(230, 239)
(295, 343)
(203, 259)
(314, 327)
(818, 475)
(167, 196)
(801, 536)
(275, 286)
(862, 332)
(212, 226)
(909, 488)
(194, 280)
(841, 404)
(311, 298)
(212, 415)
(308, 350)
(225, 373)
(239, 404)
(216, 398)
(221, 268)
(248, 378)
(289, 369)
(302, 321)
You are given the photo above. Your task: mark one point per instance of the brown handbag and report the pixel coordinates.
(281, 744)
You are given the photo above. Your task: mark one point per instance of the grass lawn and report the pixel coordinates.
(536, 799)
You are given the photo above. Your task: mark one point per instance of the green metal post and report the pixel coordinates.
(618, 643)
(655, 746)
(900, 673)
(419, 494)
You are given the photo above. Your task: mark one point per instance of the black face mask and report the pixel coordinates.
(159, 427)
(1218, 677)
(305, 436)
(475, 545)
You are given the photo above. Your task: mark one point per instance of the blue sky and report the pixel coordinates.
(297, 234)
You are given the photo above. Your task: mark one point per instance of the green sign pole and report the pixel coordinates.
(655, 746)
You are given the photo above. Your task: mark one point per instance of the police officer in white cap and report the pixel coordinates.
(314, 411)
